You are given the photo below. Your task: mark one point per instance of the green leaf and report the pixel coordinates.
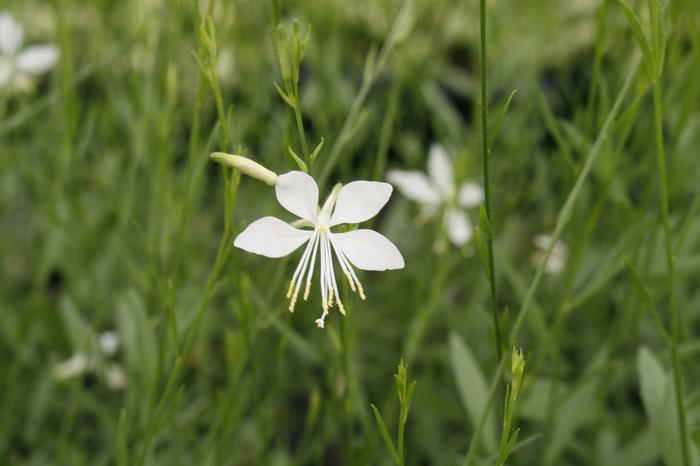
(652, 380)
(484, 222)
(499, 117)
(472, 388)
(641, 38)
(482, 250)
(285, 96)
(316, 151)
(385, 434)
(696, 437)
(658, 43)
(140, 345)
(298, 160)
(659, 404)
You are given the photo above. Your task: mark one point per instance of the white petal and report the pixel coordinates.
(298, 193)
(271, 237)
(37, 59)
(74, 366)
(440, 170)
(470, 195)
(414, 185)
(368, 250)
(11, 34)
(359, 201)
(459, 229)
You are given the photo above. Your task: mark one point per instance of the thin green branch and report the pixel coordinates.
(485, 157)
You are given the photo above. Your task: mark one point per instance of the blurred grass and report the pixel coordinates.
(112, 213)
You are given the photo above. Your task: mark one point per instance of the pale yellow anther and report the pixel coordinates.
(351, 281)
(340, 307)
(307, 290)
(291, 289)
(292, 303)
(361, 291)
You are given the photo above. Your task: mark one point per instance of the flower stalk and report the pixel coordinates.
(485, 157)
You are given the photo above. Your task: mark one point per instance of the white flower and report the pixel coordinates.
(116, 378)
(353, 203)
(18, 67)
(108, 342)
(557, 260)
(71, 367)
(439, 189)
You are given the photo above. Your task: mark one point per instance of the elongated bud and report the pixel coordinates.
(246, 166)
(517, 367)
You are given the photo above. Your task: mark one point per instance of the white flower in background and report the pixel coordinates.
(81, 362)
(19, 67)
(116, 379)
(108, 342)
(353, 203)
(438, 189)
(557, 260)
(71, 367)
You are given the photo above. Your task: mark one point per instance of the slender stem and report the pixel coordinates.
(485, 156)
(670, 270)
(346, 401)
(300, 127)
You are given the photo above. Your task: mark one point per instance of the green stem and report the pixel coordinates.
(346, 401)
(300, 128)
(671, 270)
(485, 156)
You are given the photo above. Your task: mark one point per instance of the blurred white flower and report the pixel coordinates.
(81, 362)
(108, 342)
(353, 203)
(71, 367)
(116, 379)
(18, 68)
(557, 260)
(438, 189)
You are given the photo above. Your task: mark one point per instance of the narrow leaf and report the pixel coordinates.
(641, 38)
(484, 222)
(472, 387)
(497, 124)
(316, 151)
(482, 251)
(298, 160)
(385, 434)
(284, 96)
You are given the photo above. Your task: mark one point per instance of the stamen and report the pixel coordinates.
(342, 264)
(324, 288)
(311, 269)
(332, 275)
(299, 273)
(347, 268)
(320, 322)
(291, 287)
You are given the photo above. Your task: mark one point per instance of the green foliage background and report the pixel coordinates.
(111, 214)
